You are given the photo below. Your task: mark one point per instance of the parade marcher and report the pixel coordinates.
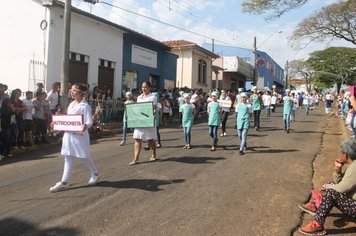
(274, 101)
(256, 106)
(77, 144)
(188, 111)
(225, 112)
(128, 97)
(294, 108)
(243, 121)
(341, 193)
(328, 102)
(180, 101)
(195, 100)
(158, 118)
(214, 113)
(306, 103)
(236, 104)
(267, 101)
(287, 109)
(145, 134)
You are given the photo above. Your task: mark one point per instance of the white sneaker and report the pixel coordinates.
(221, 135)
(122, 143)
(94, 179)
(59, 187)
(224, 133)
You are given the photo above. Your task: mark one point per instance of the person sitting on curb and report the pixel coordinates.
(341, 194)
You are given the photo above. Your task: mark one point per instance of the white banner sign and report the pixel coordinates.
(224, 103)
(143, 56)
(72, 123)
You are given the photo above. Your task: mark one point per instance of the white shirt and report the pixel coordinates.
(77, 144)
(52, 98)
(266, 100)
(27, 114)
(193, 99)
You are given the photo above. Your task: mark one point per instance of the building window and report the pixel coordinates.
(202, 71)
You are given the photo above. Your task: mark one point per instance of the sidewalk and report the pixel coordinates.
(335, 132)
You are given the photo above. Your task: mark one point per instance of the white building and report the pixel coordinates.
(31, 40)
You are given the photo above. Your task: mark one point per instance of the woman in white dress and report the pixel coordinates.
(77, 144)
(145, 134)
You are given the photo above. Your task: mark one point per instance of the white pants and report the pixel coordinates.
(68, 166)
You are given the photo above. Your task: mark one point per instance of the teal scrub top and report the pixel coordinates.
(243, 116)
(187, 112)
(256, 103)
(180, 103)
(124, 119)
(287, 105)
(214, 115)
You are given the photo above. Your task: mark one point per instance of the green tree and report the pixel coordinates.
(332, 65)
(277, 7)
(336, 21)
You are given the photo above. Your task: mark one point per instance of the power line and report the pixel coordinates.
(165, 23)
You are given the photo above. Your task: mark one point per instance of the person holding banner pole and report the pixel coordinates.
(147, 134)
(77, 144)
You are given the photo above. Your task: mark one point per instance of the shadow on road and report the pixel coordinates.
(152, 185)
(307, 132)
(12, 226)
(305, 121)
(269, 150)
(194, 160)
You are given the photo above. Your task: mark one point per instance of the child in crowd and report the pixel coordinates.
(27, 124)
(128, 97)
(188, 111)
(214, 113)
(39, 117)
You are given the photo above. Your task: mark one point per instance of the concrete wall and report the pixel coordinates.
(24, 41)
(88, 37)
(21, 40)
(184, 67)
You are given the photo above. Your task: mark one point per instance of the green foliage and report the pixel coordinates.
(336, 21)
(331, 64)
(277, 7)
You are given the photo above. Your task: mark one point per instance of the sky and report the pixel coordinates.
(221, 20)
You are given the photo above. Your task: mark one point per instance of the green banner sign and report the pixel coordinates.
(140, 115)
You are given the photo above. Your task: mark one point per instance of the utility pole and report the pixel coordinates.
(254, 61)
(65, 52)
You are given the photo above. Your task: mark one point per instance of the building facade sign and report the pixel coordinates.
(143, 56)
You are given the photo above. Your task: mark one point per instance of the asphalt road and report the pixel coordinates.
(186, 192)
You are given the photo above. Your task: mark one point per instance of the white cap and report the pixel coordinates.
(186, 95)
(128, 94)
(254, 88)
(243, 94)
(287, 90)
(214, 94)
